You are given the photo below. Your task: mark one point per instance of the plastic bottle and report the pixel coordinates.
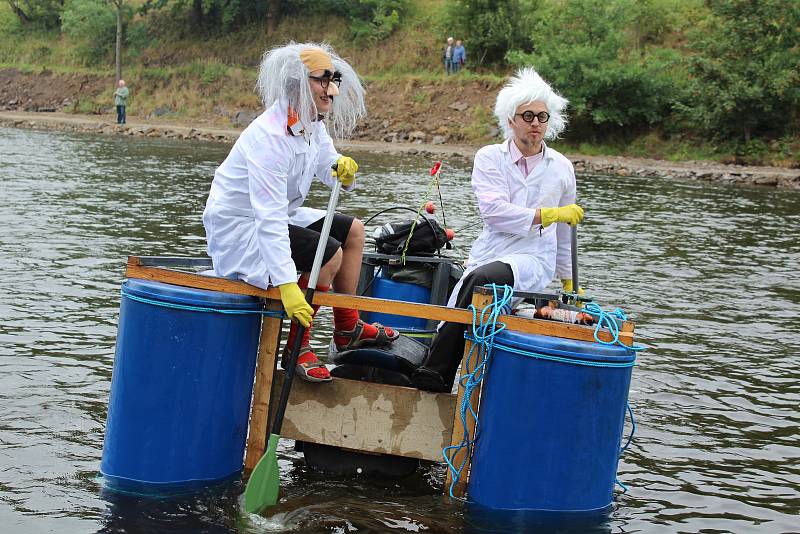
(557, 314)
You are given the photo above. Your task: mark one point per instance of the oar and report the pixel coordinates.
(264, 484)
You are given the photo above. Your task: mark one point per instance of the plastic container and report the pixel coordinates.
(550, 431)
(180, 390)
(385, 288)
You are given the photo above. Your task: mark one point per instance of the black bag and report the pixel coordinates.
(428, 237)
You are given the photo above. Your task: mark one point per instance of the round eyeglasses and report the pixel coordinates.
(326, 79)
(528, 116)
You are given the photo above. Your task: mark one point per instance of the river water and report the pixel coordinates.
(709, 272)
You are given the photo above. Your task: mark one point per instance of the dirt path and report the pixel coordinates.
(696, 170)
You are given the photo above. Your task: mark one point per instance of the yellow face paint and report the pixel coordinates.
(316, 59)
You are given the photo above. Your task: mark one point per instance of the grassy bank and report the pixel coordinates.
(209, 80)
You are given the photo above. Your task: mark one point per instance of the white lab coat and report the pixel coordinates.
(258, 190)
(508, 201)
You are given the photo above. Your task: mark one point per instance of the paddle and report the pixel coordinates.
(264, 484)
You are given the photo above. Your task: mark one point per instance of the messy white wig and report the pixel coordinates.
(525, 87)
(283, 76)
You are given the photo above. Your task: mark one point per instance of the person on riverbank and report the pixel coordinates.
(121, 101)
(459, 56)
(447, 56)
(526, 196)
(256, 225)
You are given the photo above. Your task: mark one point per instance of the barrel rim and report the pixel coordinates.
(174, 294)
(570, 348)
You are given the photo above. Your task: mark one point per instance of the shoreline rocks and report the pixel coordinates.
(415, 143)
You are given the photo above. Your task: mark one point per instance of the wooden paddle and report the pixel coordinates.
(264, 484)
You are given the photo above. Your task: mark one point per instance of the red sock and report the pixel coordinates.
(308, 356)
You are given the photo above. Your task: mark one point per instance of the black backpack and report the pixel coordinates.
(428, 237)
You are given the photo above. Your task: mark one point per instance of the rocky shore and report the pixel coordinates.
(688, 170)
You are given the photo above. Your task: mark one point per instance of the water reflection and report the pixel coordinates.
(709, 272)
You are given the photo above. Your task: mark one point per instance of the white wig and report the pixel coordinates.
(525, 87)
(283, 76)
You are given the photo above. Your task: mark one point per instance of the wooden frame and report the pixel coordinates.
(374, 418)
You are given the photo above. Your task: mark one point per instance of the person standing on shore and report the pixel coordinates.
(459, 56)
(447, 56)
(256, 226)
(121, 100)
(526, 196)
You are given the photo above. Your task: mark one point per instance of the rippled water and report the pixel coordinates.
(709, 272)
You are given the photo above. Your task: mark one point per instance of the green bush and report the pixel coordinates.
(744, 67)
(595, 53)
(489, 28)
(93, 25)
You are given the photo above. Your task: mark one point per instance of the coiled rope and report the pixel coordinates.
(188, 307)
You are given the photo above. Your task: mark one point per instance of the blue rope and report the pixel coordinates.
(608, 320)
(484, 328)
(625, 447)
(266, 313)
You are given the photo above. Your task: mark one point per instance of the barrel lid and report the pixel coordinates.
(571, 348)
(189, 296)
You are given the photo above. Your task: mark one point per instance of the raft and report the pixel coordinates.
(361, 416)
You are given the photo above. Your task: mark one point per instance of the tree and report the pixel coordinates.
(45, 13)
(119, 5)
(744, 67)
(490, 27)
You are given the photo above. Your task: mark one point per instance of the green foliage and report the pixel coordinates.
(490, 28)
(744, 67)
(208, 72)
(93, 25)
(599, 55)
(39, 14)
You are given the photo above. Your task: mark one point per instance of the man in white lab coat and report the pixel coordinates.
(526, 196)
(258, 230)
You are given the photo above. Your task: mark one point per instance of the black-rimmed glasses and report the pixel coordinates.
(326, 79)
(528, 116)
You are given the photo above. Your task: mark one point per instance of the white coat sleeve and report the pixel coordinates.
(563, 231)
(327, 157)
(492, 191)
(268, 166)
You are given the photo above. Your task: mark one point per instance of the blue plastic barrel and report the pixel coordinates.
(180, 389)
(550, 431)
(385, 288)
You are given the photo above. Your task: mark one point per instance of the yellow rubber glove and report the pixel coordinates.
(294, 302)
(346, 170)
(566, 285)
(571, 214)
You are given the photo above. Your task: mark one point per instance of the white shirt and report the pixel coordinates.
(258, 191)
(507, 200)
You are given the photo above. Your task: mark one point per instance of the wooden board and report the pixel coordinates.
(369, 417)
(408, 309)
(262, 390)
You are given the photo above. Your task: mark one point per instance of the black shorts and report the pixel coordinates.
(303, 241)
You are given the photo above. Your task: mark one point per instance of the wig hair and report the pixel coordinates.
(283, 76)
(525, 87)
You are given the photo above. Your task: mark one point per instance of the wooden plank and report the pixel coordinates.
(262, 390)
(408, 309)
(479, 301)
(377, 418)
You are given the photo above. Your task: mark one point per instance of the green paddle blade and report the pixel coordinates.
(264, 485)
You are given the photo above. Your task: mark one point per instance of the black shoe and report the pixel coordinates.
(428, 380)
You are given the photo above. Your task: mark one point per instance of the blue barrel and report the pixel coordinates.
(385, 288)
(551, 421)
(181, 387)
